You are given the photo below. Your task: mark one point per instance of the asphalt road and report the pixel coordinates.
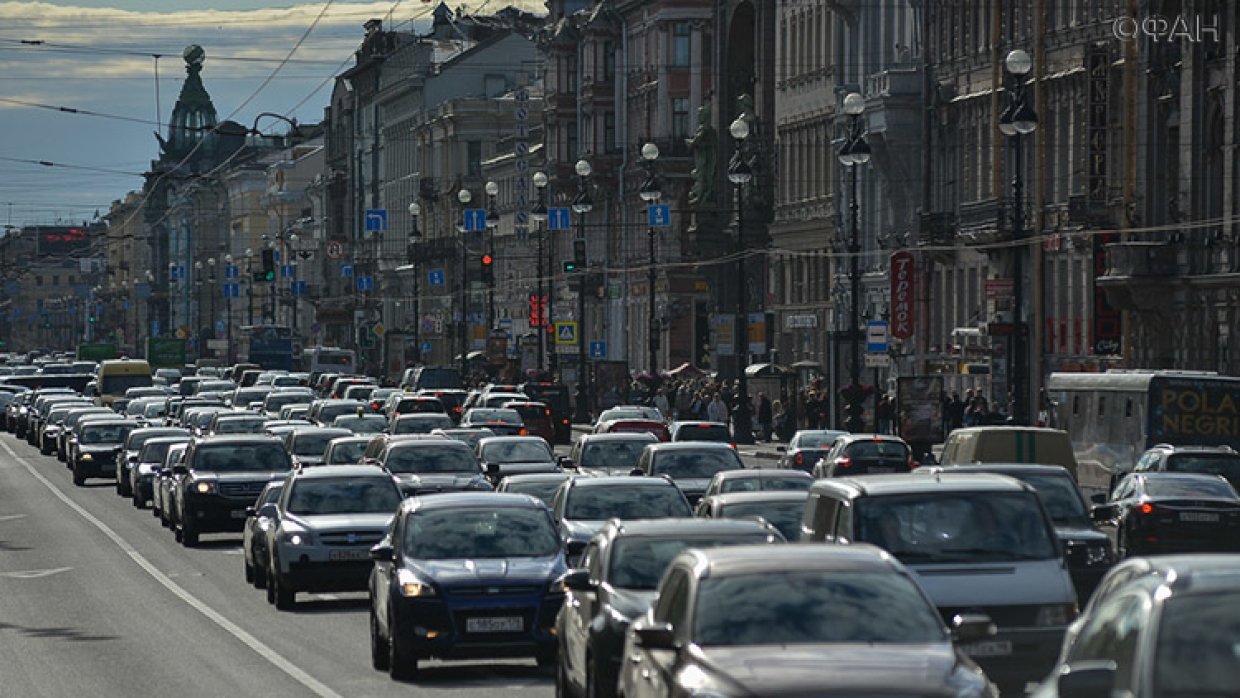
(97, 599)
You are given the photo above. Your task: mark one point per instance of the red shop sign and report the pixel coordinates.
(903, 294)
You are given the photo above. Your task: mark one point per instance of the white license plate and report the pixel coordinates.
(237, 513)
(494, 625)
(349, 555)
(1198, 516)
(993, 648)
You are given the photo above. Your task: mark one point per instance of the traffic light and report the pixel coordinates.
(269, 265)
(569, 266)
(488, 269)
(579, 253)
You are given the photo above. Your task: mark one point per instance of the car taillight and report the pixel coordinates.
(523, 432)
(565, 421)
(1148, 508)
(733, 445)
(800, 460)
(912, 462)
(844, 462)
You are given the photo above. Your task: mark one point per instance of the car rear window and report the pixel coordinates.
(1225, 464)
(704, 432)
(531, 411)
(883, 450)
(242, 458)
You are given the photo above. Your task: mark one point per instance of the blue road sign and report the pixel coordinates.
(287, 271)
(659, 215)
(177, 272)
(297, 287)
(232, 290)
(598, 350)
(558, 218)
(475, 219)
(436, 277)
(365, 283)
(219, 325)
(876, 336)
(346, 269)
(376, 220)
(426, 347)
(231, 272)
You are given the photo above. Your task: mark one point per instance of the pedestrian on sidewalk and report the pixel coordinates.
(766, 416)
(717, 410)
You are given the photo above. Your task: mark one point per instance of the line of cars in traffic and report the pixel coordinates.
(924, 579)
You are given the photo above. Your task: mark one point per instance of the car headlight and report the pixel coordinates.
(1098, 555)
(412, 587)
(87, 457)
(295, 537)
(699, 684)
(1056, 614)
(204, 487)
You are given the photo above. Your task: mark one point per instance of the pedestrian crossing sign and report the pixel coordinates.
(565, 333)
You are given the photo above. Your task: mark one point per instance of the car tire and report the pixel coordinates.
(591, 683)
(78, 478)
(379, 657)
(402, 662)
(1122, 549)
(260, 576)
(249, 572)
(270, 587)
(285, 598)
(547, 660)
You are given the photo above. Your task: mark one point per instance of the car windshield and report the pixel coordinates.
(369, 424)
(329, 412)
(612, 454)
(420, 424)
(765, 482)
(432, 459)
(812, 606)
(104, 434)
(638, 562)
(1225, 464)
(542, 489)
(624, 502)
(784, 515)
(439, 378)
(524, 451)
(1188, 487)
(1197, 640)
(240, 426)
(506, 416)
(818, 440)
(956, 527)
(341, 495)
(241, 457)
(347, 452)
(156, 410)
(312, 443)
(270, 494)
(496, 532)
(695, 465)
(1059, 495)
(693, 432)
(417, 405)
(273, 402)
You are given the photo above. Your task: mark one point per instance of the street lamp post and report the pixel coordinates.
(539, 214)
(492, 190)
(650, 193)
(249, 287)
(464, 197)
(415, 236)
(582, 204)
(1018, 120)
(211, 289)
(228, 325)
(856, 151)
(739, 174)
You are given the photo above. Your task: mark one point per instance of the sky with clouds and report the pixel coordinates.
(99, 57)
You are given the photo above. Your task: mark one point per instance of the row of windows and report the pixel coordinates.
(805, 40)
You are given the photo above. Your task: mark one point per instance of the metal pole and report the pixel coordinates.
(491, 280)
(742, 428)
(583, 371)
(653, 325)
(463, 329)
(538, 298)
(417, 309)
(553, 357)
(1018, 287)
(856, 406)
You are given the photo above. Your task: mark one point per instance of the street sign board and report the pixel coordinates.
(598, 350)
(176, 272)
(376, 220)
(378, 329)
(232, 290)
(365, 283)
(426, 347)
(558, 218)
(436, 277)
(298, 287)
(335, 249)
(475, 219)
(876, 336)
(286, 270)
(877, 360)
(231, 272)
(566, 333)
(659, 215)
(346, 269)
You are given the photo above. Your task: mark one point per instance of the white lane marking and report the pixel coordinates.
(275, 658)
(35, 574)
(12, 517)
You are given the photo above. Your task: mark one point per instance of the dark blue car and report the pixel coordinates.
(466, 576)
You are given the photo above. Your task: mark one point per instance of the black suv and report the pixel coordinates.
(1208, 460)
(220, 477)
(554, 396)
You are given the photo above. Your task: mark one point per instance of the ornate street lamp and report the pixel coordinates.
(582, 204)
(650, 193)
(541, 302)
(464, 197)
(739, 174)
(856, 151)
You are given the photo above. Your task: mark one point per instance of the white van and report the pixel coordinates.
(976, 542)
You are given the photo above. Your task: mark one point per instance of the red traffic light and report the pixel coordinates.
(486, 260)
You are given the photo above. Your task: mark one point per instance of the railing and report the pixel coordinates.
(1140, 259)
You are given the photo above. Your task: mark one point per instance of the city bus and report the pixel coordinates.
(320, 360)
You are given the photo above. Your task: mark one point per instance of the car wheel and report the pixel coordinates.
(402, 662)
(189, 535)
(78, 478)
(547, 660)
(249, 572)
(271, 587)
(1121, 544)
(592, 687)
(379, 657)
(286, 599)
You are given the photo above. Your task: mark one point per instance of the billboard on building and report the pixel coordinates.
(61, 241)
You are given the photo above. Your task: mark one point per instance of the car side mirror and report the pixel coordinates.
(269, 510)
(1103, 513)
(565, 462)
(1086, 679)
(637, 472)
(972, 627)
(577, 580)
(1098, 498)
(383, 552)
(180, 470)
(656, 637)
(492, 469)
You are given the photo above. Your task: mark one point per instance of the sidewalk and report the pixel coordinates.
(765, 451)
